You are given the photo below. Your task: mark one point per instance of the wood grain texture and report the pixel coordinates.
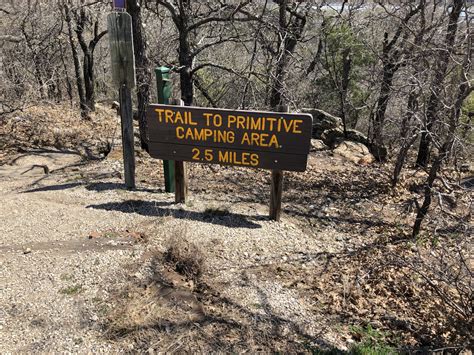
(127, 136)
(180, 173)
(288, 151)
(276, 194)
(277, 186)
(289, 162)
(119, 25)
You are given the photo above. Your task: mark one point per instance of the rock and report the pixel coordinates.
(323, 121)
(318, 145)
(356, 152)
(331, 137)
(94, 235)
(115, 105)
(334, 137)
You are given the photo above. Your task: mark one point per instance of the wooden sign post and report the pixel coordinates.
(119, 26)
(256, 139)
(277, 186)
(180, 173)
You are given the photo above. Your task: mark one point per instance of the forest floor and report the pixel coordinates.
(88, 266)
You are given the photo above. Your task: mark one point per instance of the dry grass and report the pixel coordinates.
(166, 312)
(61, 127)
(184, 257)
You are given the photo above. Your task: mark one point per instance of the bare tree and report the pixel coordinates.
(463, 87)
(392, 58)
(66, 8)
(443, 56)
(188, 18)
(86, 21)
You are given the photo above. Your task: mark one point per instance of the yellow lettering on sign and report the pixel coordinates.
(254, 159)
(296, 128)
(256, 124)
(241, 122)
(231, 120)
(224, 156)
(243, 158)
(274, 141)
(205, 134)
(256, 138)
(199, 134)
(180, 132)
(207, 116)
(178, 118)
(245, 139)
(169, 116)
(159, 111)
(271, 120)
(260, 139)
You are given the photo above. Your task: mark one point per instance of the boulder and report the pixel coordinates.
(355, 152)
(323, 121)
(318, 145)
(334, 137)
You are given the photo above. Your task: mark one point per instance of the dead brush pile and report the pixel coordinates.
(185, 258)
(420, 294)
(176, 309)
(164, 300)
(61, 127)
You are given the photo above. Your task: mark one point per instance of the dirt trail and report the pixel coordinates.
(68, 239)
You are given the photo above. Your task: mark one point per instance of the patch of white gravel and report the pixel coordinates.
(53, 279)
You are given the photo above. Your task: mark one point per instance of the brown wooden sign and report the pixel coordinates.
(268, 140)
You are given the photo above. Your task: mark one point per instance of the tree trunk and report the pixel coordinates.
(282, 61)
(382, 104)
(464, 90)
(391, 59)
(75, 58)
(407, 141)
(437, 85)
(346, 71)
(89, 80)
(186, 64)
(288, 36)
(142, 65)
(88, 59)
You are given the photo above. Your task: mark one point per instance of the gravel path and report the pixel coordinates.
(67, 241)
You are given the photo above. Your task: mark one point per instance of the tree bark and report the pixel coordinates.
(346, 71)
(75, 58)
(392, 61)
(186, 66)
(437, 85)
(407, 141)
(88, 59)
(464, 89)
(289, 34)
(142, 64)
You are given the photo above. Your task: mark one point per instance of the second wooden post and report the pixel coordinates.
(277, 186)
(180, 173)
